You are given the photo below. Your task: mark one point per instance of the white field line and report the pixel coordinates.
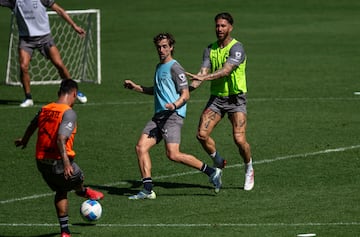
(339, 149)
(192, 225)
(35, 196)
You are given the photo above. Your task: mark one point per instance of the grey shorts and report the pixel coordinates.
(42, 43)
(165, 126)
(227, 104)
(53, 174)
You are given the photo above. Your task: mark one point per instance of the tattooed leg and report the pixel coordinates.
(208, 121)
(238, 121)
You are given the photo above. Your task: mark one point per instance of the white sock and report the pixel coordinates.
(248, 166)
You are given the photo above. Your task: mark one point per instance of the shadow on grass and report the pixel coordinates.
(18, 102)
(10, 102)
(136, 186)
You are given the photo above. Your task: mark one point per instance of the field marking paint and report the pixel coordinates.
(27, 198)
(191, 225)
(339, 149)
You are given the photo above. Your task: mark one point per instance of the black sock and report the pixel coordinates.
(148, 185)
(28, 96)
(218, 159)
(64, 226)
(81, 193)
(207, 170)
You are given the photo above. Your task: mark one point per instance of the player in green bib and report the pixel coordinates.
(224, 63)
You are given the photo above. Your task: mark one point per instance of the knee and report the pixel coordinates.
(24, 67)
(202, 136)
(173, 156)
(139, 149)
(60, 65)
(240, 141)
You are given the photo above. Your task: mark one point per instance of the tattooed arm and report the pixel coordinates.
(222, 72)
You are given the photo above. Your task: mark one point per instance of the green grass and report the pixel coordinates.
(303, 126)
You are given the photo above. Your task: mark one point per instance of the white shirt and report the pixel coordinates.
(32, 18)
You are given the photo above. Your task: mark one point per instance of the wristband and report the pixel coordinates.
(174, 106)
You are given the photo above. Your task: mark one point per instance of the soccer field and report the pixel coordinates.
(303, 126)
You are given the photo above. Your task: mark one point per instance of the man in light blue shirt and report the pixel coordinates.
(171, 92)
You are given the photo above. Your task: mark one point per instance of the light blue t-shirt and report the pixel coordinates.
(169, 80)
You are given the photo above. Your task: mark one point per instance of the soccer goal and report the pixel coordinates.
(80, 55)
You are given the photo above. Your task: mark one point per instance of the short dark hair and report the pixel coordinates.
(67, 86)
(225, 16)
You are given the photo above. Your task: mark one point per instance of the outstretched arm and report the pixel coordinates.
(61, 12)
(224, 71)
(129, 84)
(196, 83)
(28, 133)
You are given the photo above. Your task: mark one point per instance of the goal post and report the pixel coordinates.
(81, 56)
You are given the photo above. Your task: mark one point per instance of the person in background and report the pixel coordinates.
(171, 93)
(224, 63)
(34, 33)
(56, 124)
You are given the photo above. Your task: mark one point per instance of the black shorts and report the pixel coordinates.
(53, 174)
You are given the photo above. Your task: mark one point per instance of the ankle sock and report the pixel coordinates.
(64, 226)
(81, 193)
(217, 158)
(207, 170)
(248, 166)
(28, 96)
(148, 184)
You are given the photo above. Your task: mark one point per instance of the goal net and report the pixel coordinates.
(81, 56)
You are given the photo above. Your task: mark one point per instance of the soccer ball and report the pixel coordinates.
(91, 210)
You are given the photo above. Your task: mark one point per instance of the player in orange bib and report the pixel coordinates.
(56, 124)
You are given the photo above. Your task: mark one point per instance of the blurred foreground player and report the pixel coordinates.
(34, 33)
